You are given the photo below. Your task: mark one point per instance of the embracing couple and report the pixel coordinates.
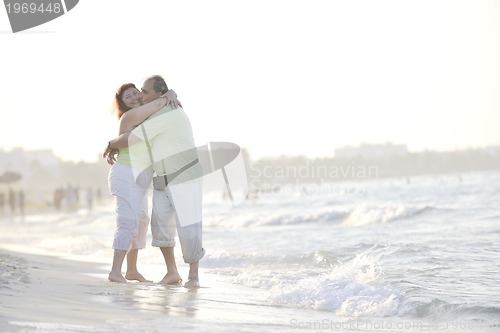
(155, 145)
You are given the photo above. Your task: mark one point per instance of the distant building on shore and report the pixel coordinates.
(372, 152)
(42, 173)
(28, 162)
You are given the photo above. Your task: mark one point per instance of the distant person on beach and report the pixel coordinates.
(98, 195)
(176, 206)
(70, 197)
(89, 197)
(12, 202)
(21, 198)
(57, 197)
(2, 203)
(130, 196)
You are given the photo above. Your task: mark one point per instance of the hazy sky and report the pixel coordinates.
(277, 77)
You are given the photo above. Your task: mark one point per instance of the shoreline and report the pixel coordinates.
(44, 293)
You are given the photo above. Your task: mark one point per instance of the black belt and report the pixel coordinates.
(173, 175)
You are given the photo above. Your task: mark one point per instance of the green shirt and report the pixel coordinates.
(171, 139)
(135, 156)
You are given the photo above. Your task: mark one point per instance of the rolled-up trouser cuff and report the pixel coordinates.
(164, 243)
(195, 258)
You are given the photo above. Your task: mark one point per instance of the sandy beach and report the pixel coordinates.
(53, 278)
(43, 290)
(50, 294)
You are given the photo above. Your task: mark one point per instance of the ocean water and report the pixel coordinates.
(419, 254)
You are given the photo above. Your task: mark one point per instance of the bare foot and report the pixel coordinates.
(136, 276)
(192, 283)
(116, 277)
(171, 279)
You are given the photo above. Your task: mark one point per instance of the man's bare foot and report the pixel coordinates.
(136, 276)
(192, 283)
(171, 279)
(116, 277)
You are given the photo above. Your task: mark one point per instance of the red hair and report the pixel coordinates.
(119, 107)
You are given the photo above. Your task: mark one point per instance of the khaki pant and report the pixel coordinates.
(178, 208)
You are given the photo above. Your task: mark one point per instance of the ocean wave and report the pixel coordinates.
(274, 217)
(440, 310)
(220, 260)
(356, 216)
(355, 286)
(492, 217)
(367, 214)
(351, 288)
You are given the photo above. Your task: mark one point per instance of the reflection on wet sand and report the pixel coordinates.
(151, 297)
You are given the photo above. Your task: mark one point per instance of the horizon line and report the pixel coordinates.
(263, 156)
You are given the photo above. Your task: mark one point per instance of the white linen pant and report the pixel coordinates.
(131, 206)
(178, 207)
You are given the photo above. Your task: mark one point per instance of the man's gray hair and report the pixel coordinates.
(159, 84)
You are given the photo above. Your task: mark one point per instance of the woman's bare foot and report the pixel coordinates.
(116, 277)
(136, 276)
(171, 279)
(192, 283)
